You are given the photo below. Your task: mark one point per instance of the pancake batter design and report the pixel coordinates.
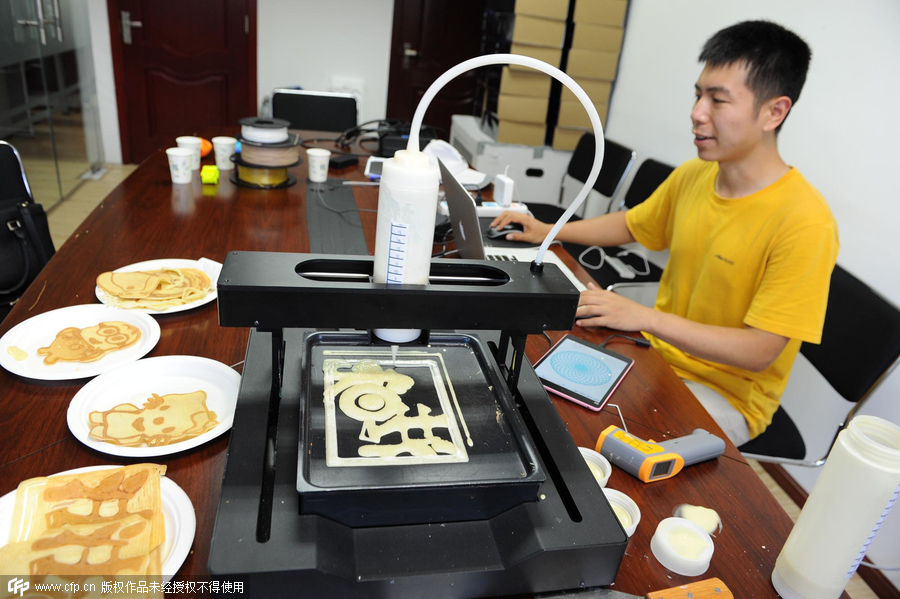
(90, 344)
(101, 523)
(368, 393)
(163, 420)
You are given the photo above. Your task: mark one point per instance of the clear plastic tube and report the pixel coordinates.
(525, 61)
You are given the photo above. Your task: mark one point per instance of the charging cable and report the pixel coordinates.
(637, 340)
(622, 254)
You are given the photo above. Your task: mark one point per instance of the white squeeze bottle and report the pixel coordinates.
(854, 494)
(407, 204)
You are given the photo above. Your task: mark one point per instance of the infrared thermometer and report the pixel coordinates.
(650, 461)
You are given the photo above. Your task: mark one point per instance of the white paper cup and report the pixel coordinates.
(193, 144)
(318, 164)
(181, 162)
(223, 147)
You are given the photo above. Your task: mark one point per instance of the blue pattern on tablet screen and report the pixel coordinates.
(580, 368)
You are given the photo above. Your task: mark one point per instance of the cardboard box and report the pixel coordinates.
(522, 109)
(573, 115)
(537, 171)
(600, 12)
(536, 31)
(566, 139)
(549, 55)
(547, 9)
(592, 65)
(525, 83)
(528, 134)
(597, 90)
(599, 38)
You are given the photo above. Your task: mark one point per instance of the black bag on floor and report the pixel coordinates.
(25, 247)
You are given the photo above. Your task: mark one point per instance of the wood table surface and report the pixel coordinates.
(146, 217)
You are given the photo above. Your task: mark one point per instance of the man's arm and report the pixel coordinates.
(606, 230)
(748, 348)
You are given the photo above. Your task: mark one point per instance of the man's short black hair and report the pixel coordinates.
(777, 59)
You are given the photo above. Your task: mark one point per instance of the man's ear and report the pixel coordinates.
(775, 111)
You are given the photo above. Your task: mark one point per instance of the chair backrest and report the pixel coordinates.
(617, 161)
(860, 339)
(318, 111)
(648, 177)
(13, 183)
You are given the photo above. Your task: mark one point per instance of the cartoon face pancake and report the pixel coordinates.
(154, 289)
(163, 420)
(90, 344)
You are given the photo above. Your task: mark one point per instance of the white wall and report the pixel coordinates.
(842, 135)
(340, 45)
(299, 42)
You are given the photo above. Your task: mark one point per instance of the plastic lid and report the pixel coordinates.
(682, 546)
(625, 508)
(599, 465)
(411, 170)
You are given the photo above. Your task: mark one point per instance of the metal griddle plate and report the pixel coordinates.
(498, 471)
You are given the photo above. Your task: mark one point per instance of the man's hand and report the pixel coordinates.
(534, 230)
(600, 308)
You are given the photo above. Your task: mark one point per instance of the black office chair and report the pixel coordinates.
(860, 347)
(648, 177)
(25, 245)
(317, 111)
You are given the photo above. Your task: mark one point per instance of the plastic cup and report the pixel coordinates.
(318, 164)
(193, 144)
(181, 162)
(223, 147)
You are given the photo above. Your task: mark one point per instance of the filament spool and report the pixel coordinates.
(261, 130)
(282, 154)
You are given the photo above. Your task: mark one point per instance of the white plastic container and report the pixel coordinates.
(626, 510)
(600, 466)
(407, 205)
(682, 546)
(854, 494)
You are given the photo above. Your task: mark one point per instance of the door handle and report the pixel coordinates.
(127, 24)
(408, 53)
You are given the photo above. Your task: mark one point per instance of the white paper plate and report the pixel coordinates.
(210, 267)
(40, 331)
(177, 509)
(136, 382)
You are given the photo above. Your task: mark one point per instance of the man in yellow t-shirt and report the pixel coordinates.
(752, 244)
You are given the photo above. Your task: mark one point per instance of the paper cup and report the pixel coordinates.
(318, 164)
(224, 149)
(181, 162)
(192, 144)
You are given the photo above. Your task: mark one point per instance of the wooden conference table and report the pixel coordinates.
(146, 217)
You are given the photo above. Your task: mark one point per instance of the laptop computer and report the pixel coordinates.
(467, 232)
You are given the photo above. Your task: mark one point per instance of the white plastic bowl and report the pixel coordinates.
(593, 458)
(682, 546)
(620, 500)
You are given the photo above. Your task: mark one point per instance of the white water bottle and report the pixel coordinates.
(854, 494)
(407, 204)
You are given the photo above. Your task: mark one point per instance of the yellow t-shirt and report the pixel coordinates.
(764, 260)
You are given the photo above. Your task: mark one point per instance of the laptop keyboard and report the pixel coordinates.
(502, 258)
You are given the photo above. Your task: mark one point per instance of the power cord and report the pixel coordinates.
(637, 340)
(622, 254)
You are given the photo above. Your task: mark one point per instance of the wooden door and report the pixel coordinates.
(189, 65)
(429, 37)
